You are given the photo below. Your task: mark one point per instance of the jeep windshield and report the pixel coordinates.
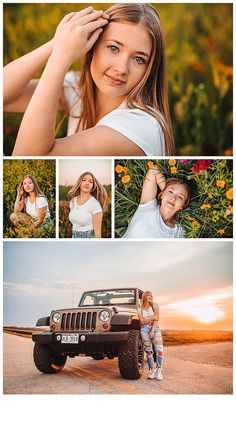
(108, 297)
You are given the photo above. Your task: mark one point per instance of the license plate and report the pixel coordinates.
(70, 338)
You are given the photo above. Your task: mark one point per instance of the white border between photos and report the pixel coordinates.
(115, 407)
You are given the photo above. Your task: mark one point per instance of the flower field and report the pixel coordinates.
(199, 47)
(13, 172)
(210, 211)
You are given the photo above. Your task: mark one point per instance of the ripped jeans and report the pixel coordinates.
(151, 344)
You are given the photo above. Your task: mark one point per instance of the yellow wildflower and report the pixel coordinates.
(172, 162)
(173, 170)
(220, 232)
(229, 194)
(125, 179)
(119, 168)
(151, 164)
(220, 183)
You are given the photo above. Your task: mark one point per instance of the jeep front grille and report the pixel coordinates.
(80, 320)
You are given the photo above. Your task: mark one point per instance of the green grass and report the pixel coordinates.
(209, 213)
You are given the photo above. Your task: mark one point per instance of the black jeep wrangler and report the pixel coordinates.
(105, 324)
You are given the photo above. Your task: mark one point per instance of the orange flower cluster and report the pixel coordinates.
(205, 206)
(220, 232)
(151, 165)
(120, 169)
(195, 223)
(220, 183)
(229, 194)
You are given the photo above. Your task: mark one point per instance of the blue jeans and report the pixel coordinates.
(151, 344)
(83, 234)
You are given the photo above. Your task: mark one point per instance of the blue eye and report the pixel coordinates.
(139, 60)
(113, 48)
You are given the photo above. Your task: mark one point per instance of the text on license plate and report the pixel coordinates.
(70, 338)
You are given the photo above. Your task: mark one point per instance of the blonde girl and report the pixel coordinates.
(30, 202)
(159, 209)
(151, 335)
(117, 105)
(87, 204)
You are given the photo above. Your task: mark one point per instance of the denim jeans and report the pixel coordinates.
(83, 234)
(151, 344)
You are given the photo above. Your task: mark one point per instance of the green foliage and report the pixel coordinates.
(65, 227)
(13, 172)
(199, 45)
(209, 213)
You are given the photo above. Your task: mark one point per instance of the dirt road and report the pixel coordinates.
(188, 369)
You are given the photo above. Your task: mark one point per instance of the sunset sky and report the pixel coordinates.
(191, 281)
(71, 169)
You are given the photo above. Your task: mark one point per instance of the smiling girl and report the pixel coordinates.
(159, 208)
(88, 201)
(117, 104)
(31, 205)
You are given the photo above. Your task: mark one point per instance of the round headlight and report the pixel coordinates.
(104, 316)
(56, 317)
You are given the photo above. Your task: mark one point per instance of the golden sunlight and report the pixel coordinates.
(204, 309)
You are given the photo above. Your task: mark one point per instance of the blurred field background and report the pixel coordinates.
(65, 226)
(209, 213)
(199, 47)
(170, 337)
(13, 172)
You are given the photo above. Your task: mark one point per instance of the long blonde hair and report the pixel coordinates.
(38, 192)
(98, 191)
(144, 299)
(150, 94)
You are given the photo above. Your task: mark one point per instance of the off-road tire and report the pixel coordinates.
(131, 356)
(46, 361)
(98, 357)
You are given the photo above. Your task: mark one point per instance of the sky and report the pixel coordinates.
(71, 169)
(191, 281)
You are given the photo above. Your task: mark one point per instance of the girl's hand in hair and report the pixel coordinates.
(20, 190)
(77, 33)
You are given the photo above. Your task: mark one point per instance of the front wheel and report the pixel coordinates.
(131, 356)
(47, 361)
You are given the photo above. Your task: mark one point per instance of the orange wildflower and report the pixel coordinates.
(220, 232)
(228, 152)
(125, 179)
(196, 224)
(220, 183)
(229, 194)
(172, 162)
(151, 164)
(125, 169)
(205, 206)
(119, 168)
(173, 170)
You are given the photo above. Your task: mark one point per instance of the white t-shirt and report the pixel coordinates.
(135, 124)
(32, 209)
(81, 216)
(147, 313)
(147, 222)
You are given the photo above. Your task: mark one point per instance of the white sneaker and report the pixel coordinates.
(152, 373)
(158, 374)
